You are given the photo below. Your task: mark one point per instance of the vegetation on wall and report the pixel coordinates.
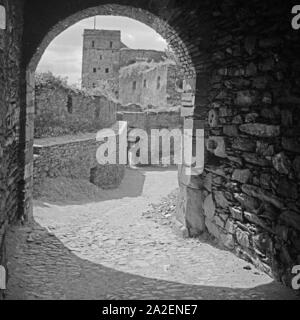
(61, 109)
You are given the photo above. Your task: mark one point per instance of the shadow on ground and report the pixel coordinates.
(66, 191)
(43, 268)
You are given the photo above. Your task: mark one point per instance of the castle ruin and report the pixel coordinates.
(147, 79)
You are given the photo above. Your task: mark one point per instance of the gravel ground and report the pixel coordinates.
(126, 246)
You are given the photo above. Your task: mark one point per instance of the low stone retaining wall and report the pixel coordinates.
(73, 157)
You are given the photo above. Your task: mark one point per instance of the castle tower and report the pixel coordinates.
(101, 56)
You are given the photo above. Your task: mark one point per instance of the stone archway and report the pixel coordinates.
(161, 26)
(246, 58)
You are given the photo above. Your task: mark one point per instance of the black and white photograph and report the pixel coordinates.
(149, 151)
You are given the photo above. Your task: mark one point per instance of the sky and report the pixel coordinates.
(63, 57)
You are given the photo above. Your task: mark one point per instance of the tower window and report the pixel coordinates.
(70, 104)
(106, 70)
(100, 57)
(145, 83)
(94, 70)
(93, 44)
(158, 83)
(94, 85)
(2, 18)
(97, 113)
(133, 85)
(179, 83)
(110, 44)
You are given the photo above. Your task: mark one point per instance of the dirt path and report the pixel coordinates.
(114, 249)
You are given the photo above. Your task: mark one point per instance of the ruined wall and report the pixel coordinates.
(60, 110)
(174, 85)
(147, 88)
(10, 106)
(128, 56)
(248, 195)
(73, 157)
(148, 120)
(151, 84)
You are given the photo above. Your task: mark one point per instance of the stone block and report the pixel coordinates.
(245, 98)
(237, 119)
(221, 200)
(208, 182)
(253, 218)
(242, 176)
(212, 228)
(190, 210)
(244, 144)
(236, 213)
(256, 160)
(260, 130)
(216, 145)
(230, 130)
(262, 195)
(230, 226)
(247, 202)
(264, 149)
(242, 238)
(262, 242)
(251, 117)
(219, 222)
(281, 163)
(209, 207)
(189, 180)
(213, 118)
(227, 240)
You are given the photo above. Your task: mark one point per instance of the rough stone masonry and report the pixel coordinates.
(244, 57)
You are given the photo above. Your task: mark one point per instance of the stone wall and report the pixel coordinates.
(10, 108)
(248, 195)
(61, 110)
(73, 157)
(150, 84)
(148, 120)
(128, 56)
(174, 88)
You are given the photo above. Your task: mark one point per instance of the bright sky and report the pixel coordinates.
(63, 57)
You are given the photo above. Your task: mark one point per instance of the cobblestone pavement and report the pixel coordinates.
(120, 248)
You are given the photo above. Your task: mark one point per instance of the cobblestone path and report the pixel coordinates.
(118, 248)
